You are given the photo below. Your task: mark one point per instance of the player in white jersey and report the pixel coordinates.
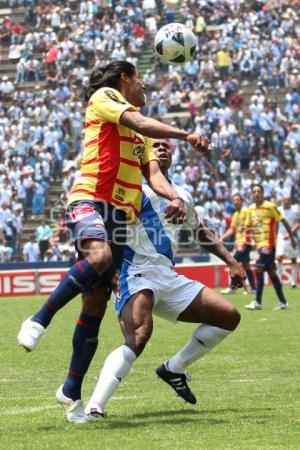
(148, 284)
(284, 248)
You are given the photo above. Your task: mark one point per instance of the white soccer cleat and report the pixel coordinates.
(228, 291)
(281, 306)
(93, 412)
(73, 408)
(254, 306)
(30, 334)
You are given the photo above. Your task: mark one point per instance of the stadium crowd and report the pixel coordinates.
(242, 44)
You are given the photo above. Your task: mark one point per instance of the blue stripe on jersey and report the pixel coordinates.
(154, 229)
(124, 290)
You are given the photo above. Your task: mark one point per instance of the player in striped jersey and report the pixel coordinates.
(261, 222)
(105, 196)
(149, 284)
(242, 242)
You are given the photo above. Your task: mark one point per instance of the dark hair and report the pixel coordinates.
(237, 195)
(109, 76)
(257, 185)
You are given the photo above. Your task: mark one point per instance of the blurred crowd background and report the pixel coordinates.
(242, 91)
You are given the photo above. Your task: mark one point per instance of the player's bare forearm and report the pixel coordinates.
(208, 240)
(150, 127)
(212, 244)
(175, 210)
(227, 234)
(158, 182)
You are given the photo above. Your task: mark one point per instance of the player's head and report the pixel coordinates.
(286, 201)
(163, 152)
(120, 75)
(237, 201)
(257, 192)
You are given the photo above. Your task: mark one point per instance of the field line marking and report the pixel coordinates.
(29, 410)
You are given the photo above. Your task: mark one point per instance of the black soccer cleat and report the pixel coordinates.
(177, 381)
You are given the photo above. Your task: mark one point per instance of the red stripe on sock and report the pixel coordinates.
(76, 374)
(50, 306)
(84, 324)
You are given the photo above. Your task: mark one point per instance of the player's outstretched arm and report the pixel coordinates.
(212, 244)
(175, 210)
(154, 129)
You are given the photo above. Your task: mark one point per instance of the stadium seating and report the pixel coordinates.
(43, 73)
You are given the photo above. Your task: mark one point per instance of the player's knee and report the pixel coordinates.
(231, 319)
(100, 257)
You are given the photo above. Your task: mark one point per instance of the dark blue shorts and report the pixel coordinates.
(242, 254)
(266, 258)
(88, 220)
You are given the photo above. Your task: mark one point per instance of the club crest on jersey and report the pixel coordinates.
(109, 93)
(138, 151)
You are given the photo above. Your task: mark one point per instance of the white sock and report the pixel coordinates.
(204, 339)
(116, 366)
(279, 270)
(294, 274)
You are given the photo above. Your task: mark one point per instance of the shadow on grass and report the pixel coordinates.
(169, 417)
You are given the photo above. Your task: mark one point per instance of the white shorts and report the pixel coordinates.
(284, 248)
(172, 292)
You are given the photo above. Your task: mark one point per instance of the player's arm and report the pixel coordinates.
(290, 232)
(227, 234)
(154, 129)
(208, 240)
(175, 210)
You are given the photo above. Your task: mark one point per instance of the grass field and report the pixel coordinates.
(247, 388)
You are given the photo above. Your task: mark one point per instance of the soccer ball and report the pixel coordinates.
(175, 44)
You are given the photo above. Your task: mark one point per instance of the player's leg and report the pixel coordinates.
(85, 339)
(219, 319)
(250, 275)
(92, 240)
(137, 324)
(261, 264)
(283, 304)
(85, 342)
(280, 266)
(294, 277)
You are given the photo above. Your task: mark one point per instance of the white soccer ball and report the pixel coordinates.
(175, 44)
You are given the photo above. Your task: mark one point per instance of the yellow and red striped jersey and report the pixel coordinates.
(113, 157)
(238, 225)
(261, 222)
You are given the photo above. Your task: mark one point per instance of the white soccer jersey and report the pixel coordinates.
(154, 241)
(292, 215)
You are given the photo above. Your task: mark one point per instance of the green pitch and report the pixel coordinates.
(247, 388)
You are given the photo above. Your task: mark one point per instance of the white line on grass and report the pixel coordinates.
(29, 410)
(250, 380)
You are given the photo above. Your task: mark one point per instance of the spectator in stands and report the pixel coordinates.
(31, 250)
(43, 235)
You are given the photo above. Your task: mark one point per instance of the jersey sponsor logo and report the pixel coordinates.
(109, 93)
(138, 151)
(80, 212)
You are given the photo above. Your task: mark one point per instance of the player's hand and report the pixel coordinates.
(175, 211)
(294, 243)
(199, 143)
(238, 276)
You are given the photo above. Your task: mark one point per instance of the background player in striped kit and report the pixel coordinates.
(261, 221)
